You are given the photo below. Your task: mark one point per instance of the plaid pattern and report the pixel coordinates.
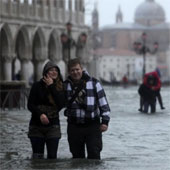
(94, 105)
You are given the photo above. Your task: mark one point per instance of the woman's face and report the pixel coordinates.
(52, 73)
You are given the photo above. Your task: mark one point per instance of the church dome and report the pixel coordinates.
(149, 13)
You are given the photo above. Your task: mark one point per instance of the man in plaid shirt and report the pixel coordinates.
(88, 114)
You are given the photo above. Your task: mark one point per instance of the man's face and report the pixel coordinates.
(76, 72)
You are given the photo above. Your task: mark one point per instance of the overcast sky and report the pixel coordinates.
(108, 8)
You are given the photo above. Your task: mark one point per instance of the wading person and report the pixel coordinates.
(148, 95)
(45, 101)
(87, 112)
(156, 87)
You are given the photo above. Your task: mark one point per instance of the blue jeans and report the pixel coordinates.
(38, 144)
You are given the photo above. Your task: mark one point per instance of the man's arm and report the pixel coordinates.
(103, 106)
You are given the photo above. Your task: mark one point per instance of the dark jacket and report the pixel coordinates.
(146, 93)
(39, 96)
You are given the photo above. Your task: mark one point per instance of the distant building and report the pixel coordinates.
(114, 64)
(150, 18)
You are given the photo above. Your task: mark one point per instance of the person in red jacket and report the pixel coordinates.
(156, 87)
(148, 95)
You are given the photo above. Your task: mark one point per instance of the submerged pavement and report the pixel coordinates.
(134, 141)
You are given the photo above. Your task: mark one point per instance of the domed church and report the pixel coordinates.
(149, 13)
(116, 46)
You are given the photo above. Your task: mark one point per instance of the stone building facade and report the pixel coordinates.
(30, 33)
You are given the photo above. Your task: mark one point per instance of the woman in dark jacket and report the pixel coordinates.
(45, 101)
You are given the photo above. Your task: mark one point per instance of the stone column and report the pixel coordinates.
(43, 11)
(7, 68)
(56, 15)
(18, 8)
(70, 11)
(78, 12)
(63, 17)
(26, 8)
(34, 8)
(50, 10)
(38, 69)
(24, 70)
(81, 12)
(9, 7)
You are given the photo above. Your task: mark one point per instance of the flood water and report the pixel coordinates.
(134, 141)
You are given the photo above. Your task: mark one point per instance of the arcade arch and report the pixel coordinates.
(5, 52)
(39, 53)
(54, 47)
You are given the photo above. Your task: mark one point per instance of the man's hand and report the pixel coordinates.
(44, 119)
(103, 127)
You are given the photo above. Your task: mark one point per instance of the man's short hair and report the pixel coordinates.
(73, 62)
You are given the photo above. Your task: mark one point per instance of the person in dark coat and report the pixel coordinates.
(45, 101)
(148, 95)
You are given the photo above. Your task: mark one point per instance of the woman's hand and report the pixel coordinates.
(47, 80)
(44, 119)
(103, 127)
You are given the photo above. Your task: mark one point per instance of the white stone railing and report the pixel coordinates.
(31, 12)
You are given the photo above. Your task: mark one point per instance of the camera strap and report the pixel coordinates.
(79, 88)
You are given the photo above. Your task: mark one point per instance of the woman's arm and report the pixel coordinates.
(33, 101)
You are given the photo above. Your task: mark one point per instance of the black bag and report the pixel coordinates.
(50, 111)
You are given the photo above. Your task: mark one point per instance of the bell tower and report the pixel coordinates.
(95, 18)
(119, 16)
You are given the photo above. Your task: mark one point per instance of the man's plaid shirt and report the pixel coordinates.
(95, 103)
